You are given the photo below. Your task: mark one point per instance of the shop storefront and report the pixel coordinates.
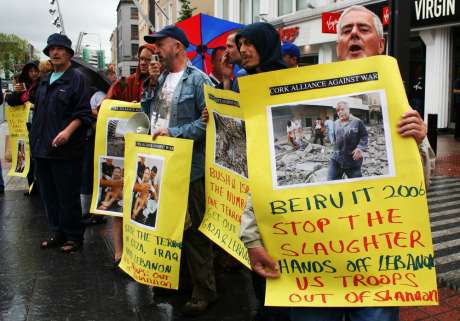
(434, 48)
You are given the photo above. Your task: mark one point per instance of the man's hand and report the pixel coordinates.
(61, 138)
(412, 125)
(154, 72)
(160, 132)
(262, 263)
(205, 115)
(357, 154)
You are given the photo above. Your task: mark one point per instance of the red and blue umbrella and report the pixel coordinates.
(205, 33)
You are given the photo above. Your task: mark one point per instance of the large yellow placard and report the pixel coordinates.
(17, 116)
(107, 196)
(226, 172)
(157, 178)
(341, 206)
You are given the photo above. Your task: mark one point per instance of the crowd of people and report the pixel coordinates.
(170, 90)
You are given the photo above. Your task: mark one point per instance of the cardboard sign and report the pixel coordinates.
(226, 172)
(155, 193)
(17, 117)
(338, 194)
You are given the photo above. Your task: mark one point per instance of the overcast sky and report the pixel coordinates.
(30, 19)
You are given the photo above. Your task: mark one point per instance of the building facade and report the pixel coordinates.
(167, 12)
(434, 40)
(127, 38)
(114, 46)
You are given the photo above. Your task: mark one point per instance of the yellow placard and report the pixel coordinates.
(107, 196)
(17, 117)
(157, 178)
(226, 172)
(346, 217)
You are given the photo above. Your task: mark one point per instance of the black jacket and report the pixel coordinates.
(56, 106)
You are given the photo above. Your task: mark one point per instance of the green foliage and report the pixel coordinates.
(186, 10)
(14, 52)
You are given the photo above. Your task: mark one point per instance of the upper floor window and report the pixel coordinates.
(134, 32)
(249, 11)
(134, 13)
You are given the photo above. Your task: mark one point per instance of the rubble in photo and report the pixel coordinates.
(310, 164)
(230, 148)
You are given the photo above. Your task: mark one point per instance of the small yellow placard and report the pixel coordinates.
(156, 185)
(17, 117)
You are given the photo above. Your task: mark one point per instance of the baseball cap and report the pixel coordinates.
(168, 31)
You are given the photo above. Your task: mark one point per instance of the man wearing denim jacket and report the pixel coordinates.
(174, 101)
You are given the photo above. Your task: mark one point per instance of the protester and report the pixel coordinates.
(360, 34)
(129, 89)
(291, 54)
(62, 112)
(350, 136)
(174, 106)
(219, 68)
(23, 91)
(88, 163)
(111, 75)
(260, 49)
(232, 57)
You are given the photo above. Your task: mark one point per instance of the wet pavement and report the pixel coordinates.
(47, 285)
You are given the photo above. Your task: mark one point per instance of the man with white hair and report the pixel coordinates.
(350, 137)
(359, 35)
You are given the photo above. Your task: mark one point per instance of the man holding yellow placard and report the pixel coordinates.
(360, 34)
(174, 106)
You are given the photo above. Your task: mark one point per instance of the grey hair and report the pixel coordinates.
(377, 22)
(344, 104)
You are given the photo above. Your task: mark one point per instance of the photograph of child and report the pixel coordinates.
(146, 191)
(111, 173)
(21, 159)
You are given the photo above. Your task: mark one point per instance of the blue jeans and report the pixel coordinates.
(350, 314)
(335, 171)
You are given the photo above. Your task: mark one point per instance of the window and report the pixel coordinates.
(134, 49)
(225, 9)
(285, 7)
(134, 13)
(249, 11)
(134, 32)
(302, 4)
(132, 70)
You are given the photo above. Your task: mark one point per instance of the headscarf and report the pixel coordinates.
(267, 42)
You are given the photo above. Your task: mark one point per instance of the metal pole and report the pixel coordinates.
(61, 18)
(399, 35)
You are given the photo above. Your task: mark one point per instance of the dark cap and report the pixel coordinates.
(58, 40)
(168, 31)
(290, 49)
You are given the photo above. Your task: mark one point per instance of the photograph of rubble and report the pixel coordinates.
(230, 144)
(338, 138)
(116, 129)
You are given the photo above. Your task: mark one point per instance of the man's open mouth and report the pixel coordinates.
(355, 48)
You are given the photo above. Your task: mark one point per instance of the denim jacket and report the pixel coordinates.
(185, 113)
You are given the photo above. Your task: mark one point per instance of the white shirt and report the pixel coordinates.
(165, 100)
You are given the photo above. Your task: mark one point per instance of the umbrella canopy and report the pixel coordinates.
(94, 77)
(205, 33)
